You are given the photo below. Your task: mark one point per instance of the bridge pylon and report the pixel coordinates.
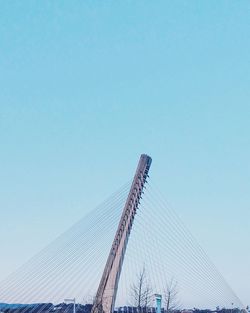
(104, 301)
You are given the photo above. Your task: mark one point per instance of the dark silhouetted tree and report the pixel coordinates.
(171, 301)
(141, 292)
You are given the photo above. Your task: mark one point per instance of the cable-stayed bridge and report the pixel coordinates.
(126, 250)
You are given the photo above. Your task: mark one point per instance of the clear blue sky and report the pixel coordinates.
(87, 86)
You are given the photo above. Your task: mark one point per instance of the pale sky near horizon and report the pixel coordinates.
(87, 86)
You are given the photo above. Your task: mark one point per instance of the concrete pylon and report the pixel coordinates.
(106, 294)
